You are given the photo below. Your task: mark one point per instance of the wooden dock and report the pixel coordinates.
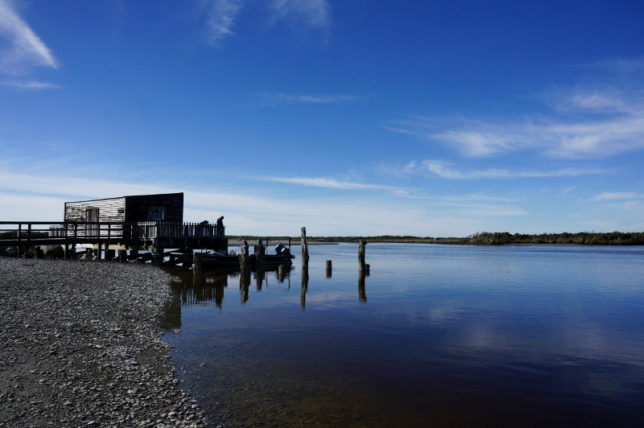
(153, 236)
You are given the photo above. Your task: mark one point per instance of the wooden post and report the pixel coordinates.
(329, 268)
(196, 260)
(244, 260)
(109, 254)
(157, 256)
(98, 250)
(134, 254)
(260, 250)
(19, 252)
(109, 236)
(305, 248)
(361, 255)
(122, 255)
(67, 254)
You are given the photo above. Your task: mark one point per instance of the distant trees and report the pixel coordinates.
(493, 238)
(580, 238)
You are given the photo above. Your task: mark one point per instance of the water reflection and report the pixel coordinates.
(305, 285)
(498, 337)
(362, 291)
(244, 285)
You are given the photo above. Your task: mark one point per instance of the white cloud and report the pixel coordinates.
(594, 101)
(444, 170)
(32, 85)
(22, 48)
(313, 99)
(329, 183)
(222, 15)
(311, 13)
(583, 124)
(615, 196)
(40, 197)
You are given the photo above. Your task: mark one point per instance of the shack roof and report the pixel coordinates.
(128, 196)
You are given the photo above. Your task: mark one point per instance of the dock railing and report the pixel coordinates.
(164, 229)
(25, 233)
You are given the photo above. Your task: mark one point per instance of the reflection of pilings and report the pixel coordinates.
(259, 279)
(219, 294)
(305, 285)
(198, 279)
(280, 273)
(329, 268)
(244, 284)
(362, 292)
(187, 258)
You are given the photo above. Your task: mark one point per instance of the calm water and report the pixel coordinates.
(435, 336)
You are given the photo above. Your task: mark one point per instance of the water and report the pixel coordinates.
(435, 336)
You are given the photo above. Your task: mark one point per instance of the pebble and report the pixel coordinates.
(81, 346)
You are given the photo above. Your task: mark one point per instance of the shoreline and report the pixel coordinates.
(82, 346)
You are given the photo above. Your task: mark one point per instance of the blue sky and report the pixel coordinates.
(428, 118)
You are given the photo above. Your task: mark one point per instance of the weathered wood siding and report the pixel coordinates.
(137, 207)
(112, 209)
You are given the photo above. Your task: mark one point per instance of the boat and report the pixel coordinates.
(225, 260)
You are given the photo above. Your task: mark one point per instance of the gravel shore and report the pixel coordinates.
(80, 346)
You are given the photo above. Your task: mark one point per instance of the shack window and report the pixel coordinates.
(156, 213)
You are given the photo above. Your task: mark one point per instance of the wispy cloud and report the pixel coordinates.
(280, 98)
(445, 170)
(586, 122)
(31, 85)
(222, 15)
(311, 13)
(615, 196)
(23, 48)
(36, 197)
(329, 183)
(315, 99)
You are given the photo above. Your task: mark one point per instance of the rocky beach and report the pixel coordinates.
(81, 346)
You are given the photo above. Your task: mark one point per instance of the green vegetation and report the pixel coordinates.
(486, 238)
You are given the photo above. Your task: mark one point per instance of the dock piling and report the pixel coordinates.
(329, 268)
(305, 248)
(361, 256)
(196, 261)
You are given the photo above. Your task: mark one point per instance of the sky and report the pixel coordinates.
(353, 117)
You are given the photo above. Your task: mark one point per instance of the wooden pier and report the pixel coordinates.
(152, 236)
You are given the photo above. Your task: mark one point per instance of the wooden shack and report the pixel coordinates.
(127, 209)
(152, 223)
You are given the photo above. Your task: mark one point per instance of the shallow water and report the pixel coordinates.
(437, 335)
